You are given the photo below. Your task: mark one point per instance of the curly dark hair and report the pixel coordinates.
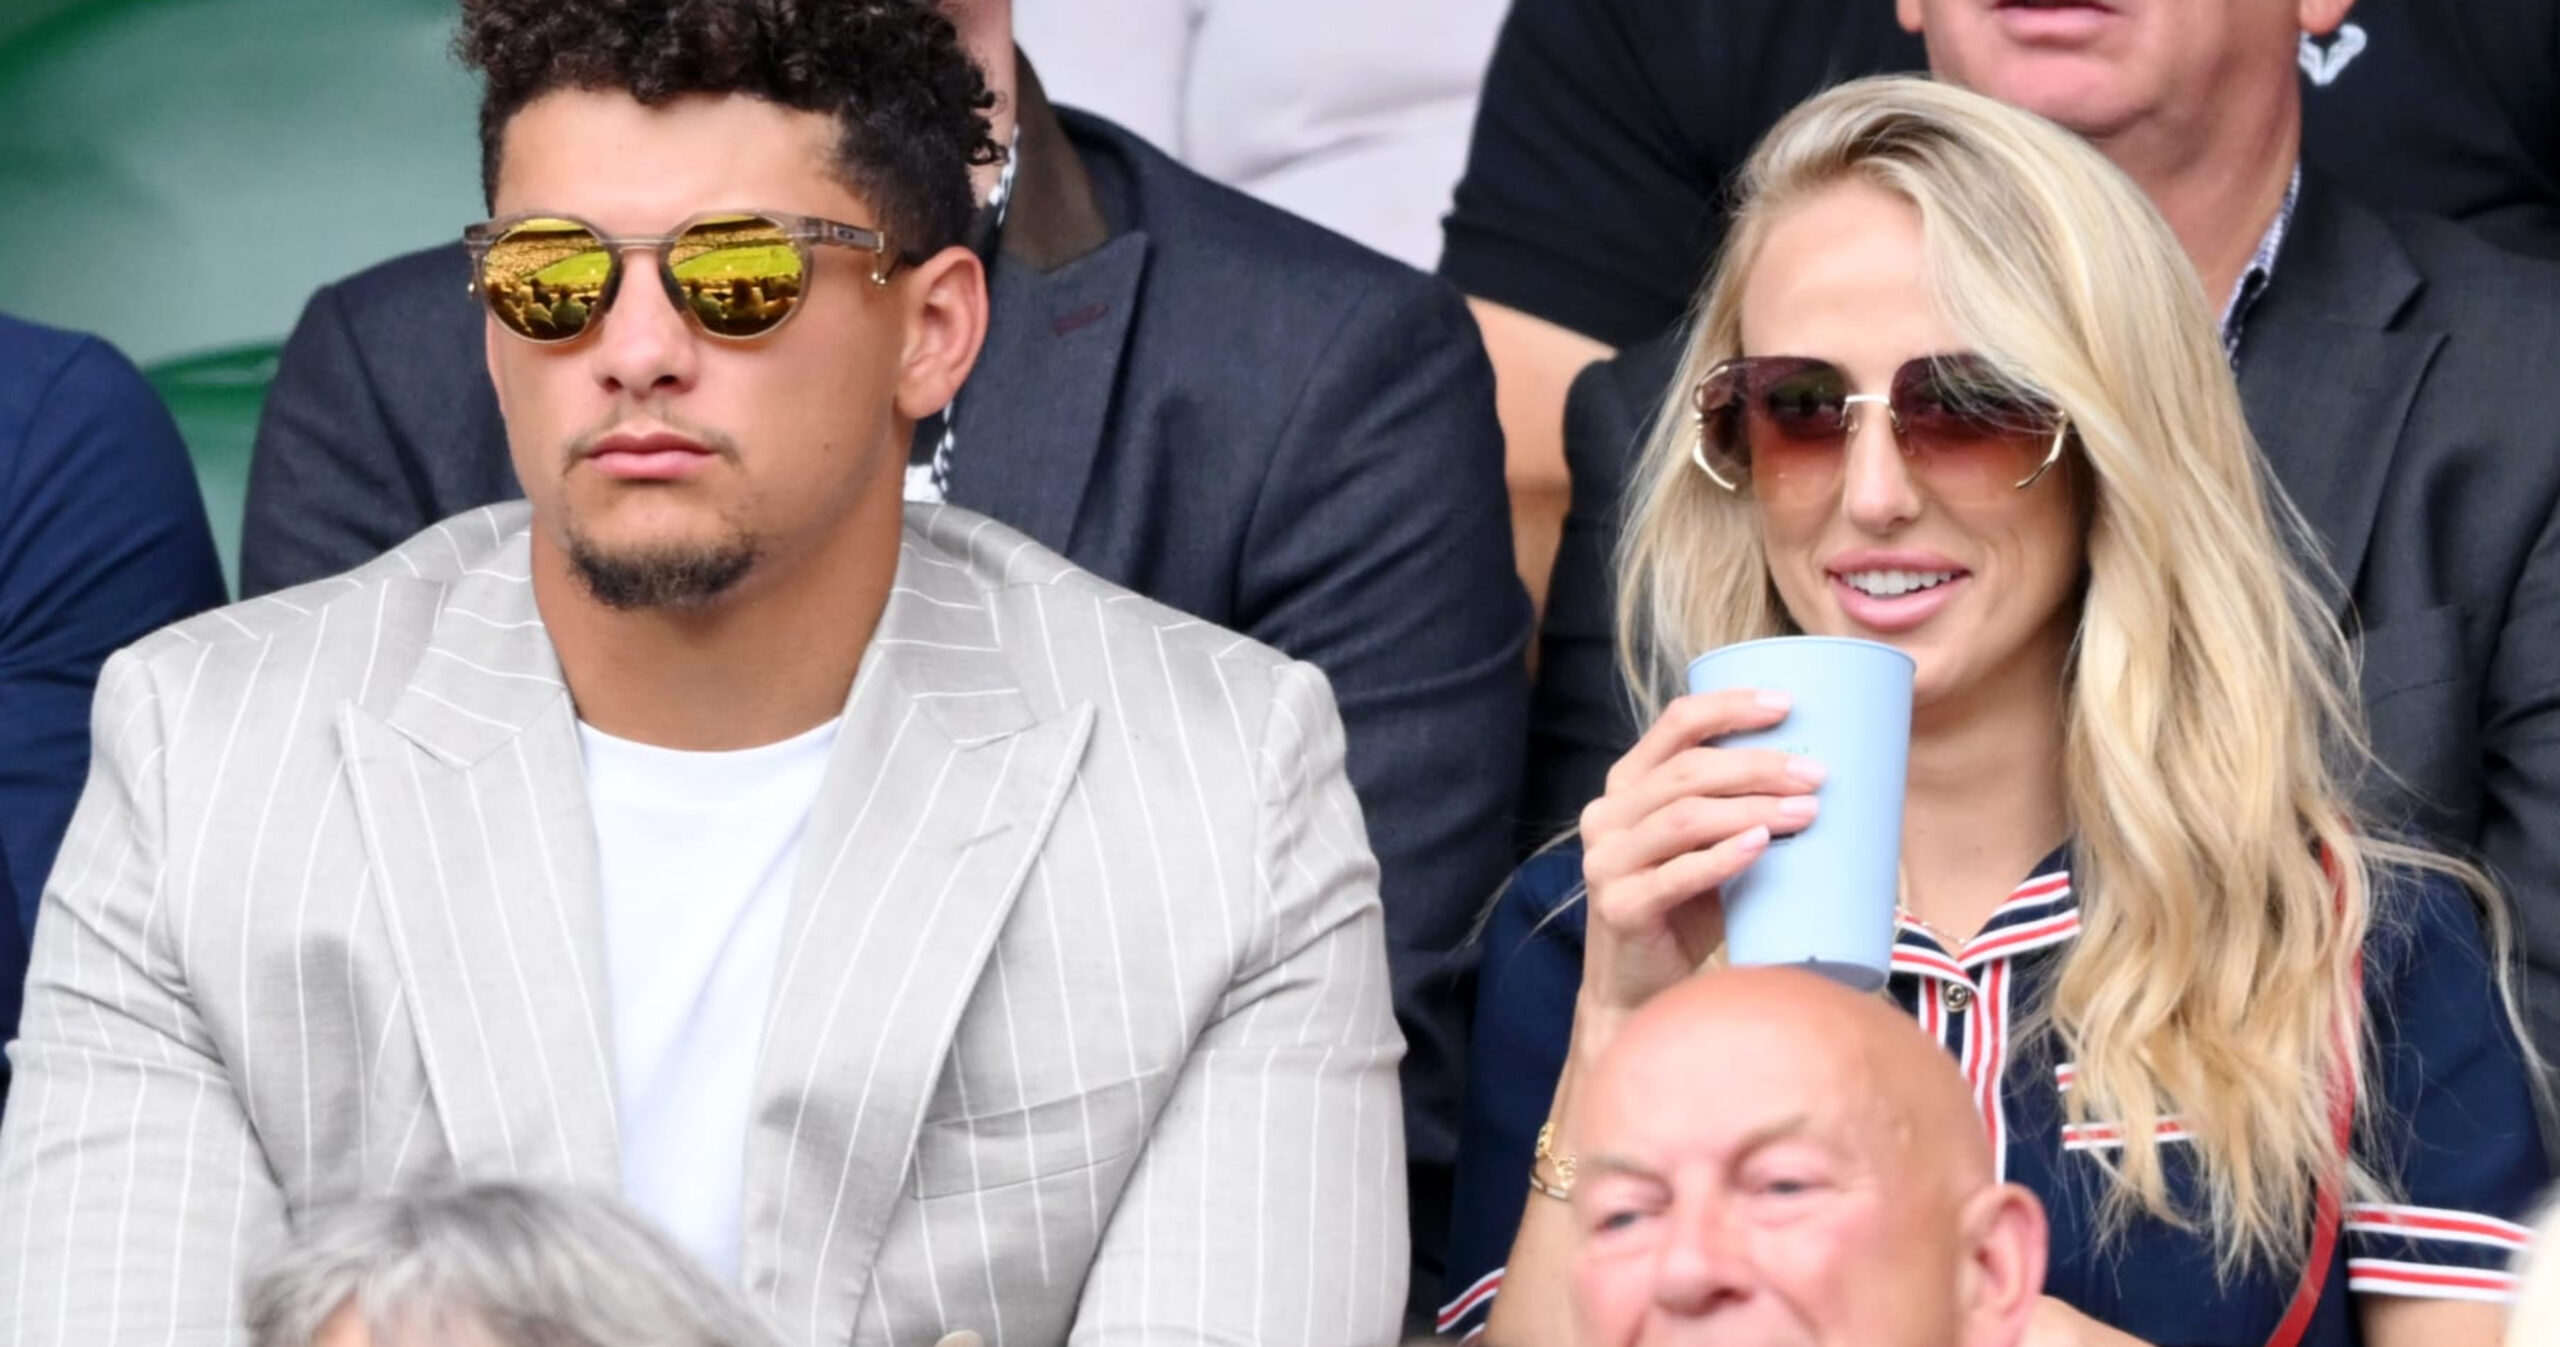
(892, 72)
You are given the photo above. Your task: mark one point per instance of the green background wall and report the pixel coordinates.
(179, 175)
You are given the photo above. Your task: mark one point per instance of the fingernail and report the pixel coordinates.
(1752, 838)
(1807, 770)
(1799, 808)
(1773, 701)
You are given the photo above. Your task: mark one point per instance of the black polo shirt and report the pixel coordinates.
(1609, 130)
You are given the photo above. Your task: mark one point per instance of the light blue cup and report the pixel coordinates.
(1824, 897)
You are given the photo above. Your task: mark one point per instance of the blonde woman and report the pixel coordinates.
(1954, 388)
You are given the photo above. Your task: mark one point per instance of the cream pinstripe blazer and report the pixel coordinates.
(1080, 1033)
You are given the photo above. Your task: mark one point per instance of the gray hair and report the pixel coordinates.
(501, 1264)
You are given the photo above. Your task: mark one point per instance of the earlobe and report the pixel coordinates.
(946, 322)
(2005, 1229)
(1908, 12)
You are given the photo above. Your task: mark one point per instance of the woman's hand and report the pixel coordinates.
(1680, 819)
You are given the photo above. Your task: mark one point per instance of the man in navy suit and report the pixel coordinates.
(1184, 391)
(102, 539)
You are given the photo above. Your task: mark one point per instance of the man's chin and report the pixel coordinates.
(661, 575)
(2075, 93)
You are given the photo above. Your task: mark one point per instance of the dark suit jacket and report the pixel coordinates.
(102, 538)
(2403, 379)
(1183, 391)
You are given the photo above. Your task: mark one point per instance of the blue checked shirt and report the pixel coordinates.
(2262, 265)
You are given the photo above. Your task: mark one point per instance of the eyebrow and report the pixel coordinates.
(1784, 1129)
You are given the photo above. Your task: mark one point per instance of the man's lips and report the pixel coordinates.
(2062, 24)
(654, 457)
(2052, 21)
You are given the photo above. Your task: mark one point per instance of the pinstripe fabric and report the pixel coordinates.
(1080, 1034)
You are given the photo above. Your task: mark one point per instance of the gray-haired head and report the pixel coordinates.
(494, 1265)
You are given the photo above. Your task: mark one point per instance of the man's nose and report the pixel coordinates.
(1706, 1262)
(644, 344)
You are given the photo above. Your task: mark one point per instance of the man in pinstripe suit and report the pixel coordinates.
(934, 936)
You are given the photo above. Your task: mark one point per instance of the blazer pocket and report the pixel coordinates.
(999, 1149)
(2412, 652)
(2421, 698)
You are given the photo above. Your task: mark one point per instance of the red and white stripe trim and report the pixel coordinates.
(2102, 1136)
(1926, 962)
(1932, 1015)
(2041, 890)
(2015, 940)
(1991, 1011)
(2460, 1227)
(1479, 1294)
(2386, 1277)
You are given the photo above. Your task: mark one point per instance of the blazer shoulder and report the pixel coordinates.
(33, 357)
(1011, 571)
(72, 406)
(441, 270)
(415, 309)
(365, 624)
(2469, 280)
(1212, 238)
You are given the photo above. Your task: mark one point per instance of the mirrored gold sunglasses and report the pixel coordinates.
(736, 275)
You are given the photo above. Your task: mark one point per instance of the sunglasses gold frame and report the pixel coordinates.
(803, 232)
(1848, 430)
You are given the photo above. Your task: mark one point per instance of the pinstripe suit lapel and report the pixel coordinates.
(470, 792)
(940, 794)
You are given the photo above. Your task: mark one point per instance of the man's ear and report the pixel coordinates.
(1908, 11)
(2320, 18)
(946, 323)
(2003, 1274)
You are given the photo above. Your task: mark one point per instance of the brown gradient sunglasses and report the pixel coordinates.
(737, 275)
(1781, 425)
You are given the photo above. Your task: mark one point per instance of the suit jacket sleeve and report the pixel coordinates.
(102, 539)
(1381, 553)
(1268, 1208)
(327, 490)
(2520, 743)
(1582, 717)
(131, 1185)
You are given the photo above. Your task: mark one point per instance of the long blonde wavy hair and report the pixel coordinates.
(2210, 736)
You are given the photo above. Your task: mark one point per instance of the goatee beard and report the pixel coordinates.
(669, 576)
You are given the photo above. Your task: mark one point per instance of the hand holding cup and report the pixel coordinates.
(1680, 818)
(1711, 835)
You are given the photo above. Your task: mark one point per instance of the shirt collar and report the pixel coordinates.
(2262, 265)
(986, 227)
(2042, 910)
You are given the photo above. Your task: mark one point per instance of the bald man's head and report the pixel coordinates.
(1769, 1158)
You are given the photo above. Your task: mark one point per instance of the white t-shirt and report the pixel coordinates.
(695, 853)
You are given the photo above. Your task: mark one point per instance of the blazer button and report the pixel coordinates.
(1958, 996)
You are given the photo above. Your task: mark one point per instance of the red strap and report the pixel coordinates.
(2329, 1211)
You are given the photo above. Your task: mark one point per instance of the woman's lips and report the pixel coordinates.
(1899, 613)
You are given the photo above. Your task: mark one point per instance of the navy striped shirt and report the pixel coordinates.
(2453, 1124)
